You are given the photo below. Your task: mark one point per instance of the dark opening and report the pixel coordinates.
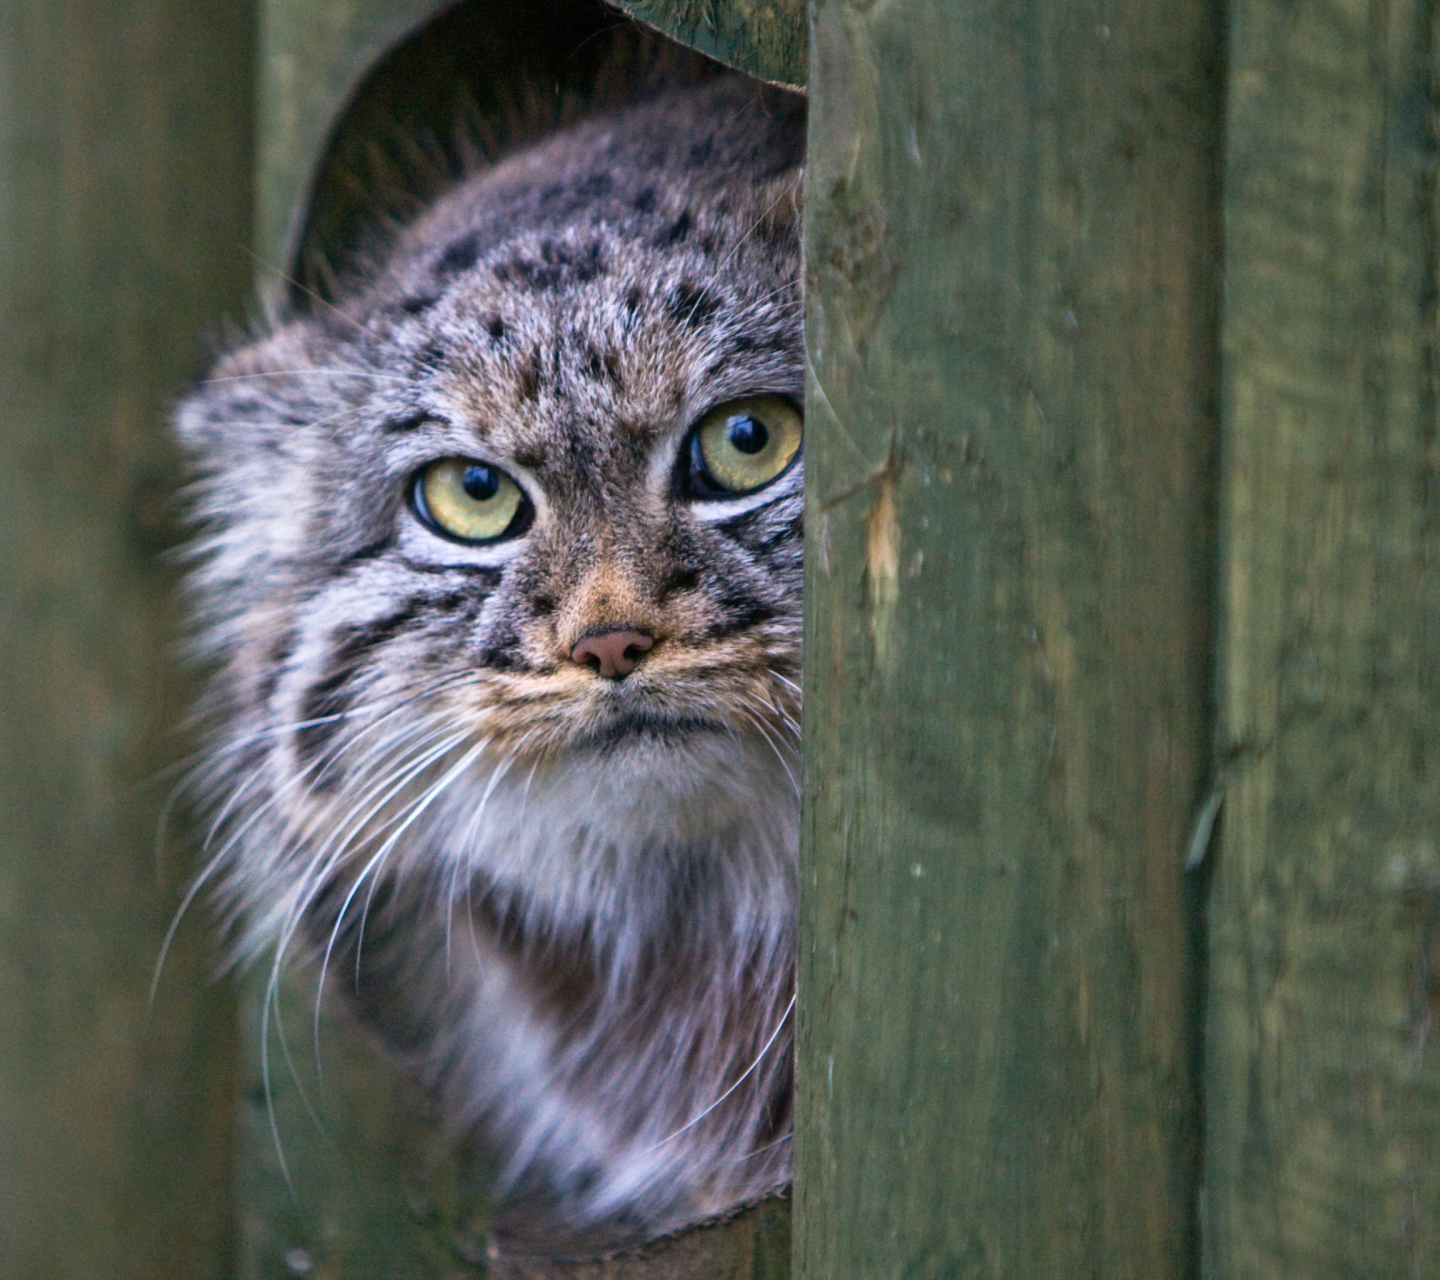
(481, 79)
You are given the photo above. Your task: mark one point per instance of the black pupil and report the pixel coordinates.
(746, 434)
(481, 483)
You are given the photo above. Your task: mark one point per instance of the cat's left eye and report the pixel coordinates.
(470, 501)
(742, 446)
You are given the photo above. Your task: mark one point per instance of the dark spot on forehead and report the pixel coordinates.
(633, 297)
(459, 255)
(417, 304)
(531, 454)
(404, 423)
(528, 376)
(553, 264)
(602, 366)
(494, 326)
(692, 304)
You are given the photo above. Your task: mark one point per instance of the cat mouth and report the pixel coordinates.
(630, 726)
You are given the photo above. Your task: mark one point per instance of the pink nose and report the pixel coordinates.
(614, 652)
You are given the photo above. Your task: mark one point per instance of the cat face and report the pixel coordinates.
(529, 500)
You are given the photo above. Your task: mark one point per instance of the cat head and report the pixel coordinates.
(529, 493)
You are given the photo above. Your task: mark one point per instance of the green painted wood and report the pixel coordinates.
(767, 38)
(124, 214)
(1011, 246)
(1323, 1081)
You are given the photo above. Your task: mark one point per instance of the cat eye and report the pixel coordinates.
(742, 446)
(470, 501)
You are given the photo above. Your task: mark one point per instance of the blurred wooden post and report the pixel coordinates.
(1012, 232)
(766, 38)
(1323, 1082)
(124, 221)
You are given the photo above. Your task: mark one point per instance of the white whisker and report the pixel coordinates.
(744, 1075)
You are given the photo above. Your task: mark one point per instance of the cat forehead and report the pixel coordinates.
(570, 335)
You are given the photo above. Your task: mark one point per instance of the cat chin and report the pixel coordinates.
(615, 828)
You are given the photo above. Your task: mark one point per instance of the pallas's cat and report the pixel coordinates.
(499, 572)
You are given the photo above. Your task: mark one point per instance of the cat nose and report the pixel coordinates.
(614, 652)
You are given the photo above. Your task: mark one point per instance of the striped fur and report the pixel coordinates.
(568, 903)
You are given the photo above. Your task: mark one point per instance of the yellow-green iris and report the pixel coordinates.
(468, 500)
(747, 443)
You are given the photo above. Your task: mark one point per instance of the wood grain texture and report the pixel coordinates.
(124, 212)
(767, 38)
(1012, 283)
(1323, 1086)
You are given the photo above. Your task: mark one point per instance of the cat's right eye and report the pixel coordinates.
(742, 446)
(470, 501)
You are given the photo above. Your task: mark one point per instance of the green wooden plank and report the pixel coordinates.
(124, 211)
(1323, 1088)
(767, 38)
(1011, 247)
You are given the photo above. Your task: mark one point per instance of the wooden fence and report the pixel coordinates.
(1123, 554)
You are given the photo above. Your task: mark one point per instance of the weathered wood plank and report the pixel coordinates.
(124, 212)
(1323, 1089)
(1011, 242)
(767, 38)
